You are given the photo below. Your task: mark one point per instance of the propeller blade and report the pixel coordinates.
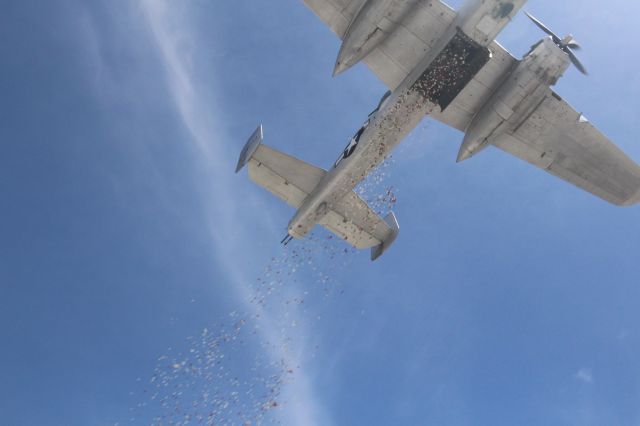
(544, 28)
(565, 44)
(574, 45)
(576, 62)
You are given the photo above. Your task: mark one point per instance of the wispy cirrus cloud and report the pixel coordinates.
(584, 375)
(177, 44)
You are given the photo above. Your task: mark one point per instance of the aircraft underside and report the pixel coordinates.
(447, 64)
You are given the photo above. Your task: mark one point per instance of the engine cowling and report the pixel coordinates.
(517, 98)
(373, 23)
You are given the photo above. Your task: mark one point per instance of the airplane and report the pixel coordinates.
(447, 65)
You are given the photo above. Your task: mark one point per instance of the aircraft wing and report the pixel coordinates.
(555, 137)
(405, 47)
(468, 103)
(402, 51)
(560, 140)
(337, 14)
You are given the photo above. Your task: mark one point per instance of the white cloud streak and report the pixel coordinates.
(176, 43)
(584, 375)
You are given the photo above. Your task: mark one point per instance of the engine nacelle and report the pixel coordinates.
(481, 20)
(483, 127)
(517, 98)
(373, 23)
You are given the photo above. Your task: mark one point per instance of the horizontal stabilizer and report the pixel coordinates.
(392, 222)
(355, 222)
(286, 177)
(250, 148)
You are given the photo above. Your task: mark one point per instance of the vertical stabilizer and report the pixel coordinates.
(250, 148)
(394, 230)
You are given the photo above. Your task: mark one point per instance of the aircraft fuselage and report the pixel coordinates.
(434, 83)
(445, 64)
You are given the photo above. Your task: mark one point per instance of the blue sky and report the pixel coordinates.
(509, 297)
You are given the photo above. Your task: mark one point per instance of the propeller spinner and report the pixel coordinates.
(567, 44)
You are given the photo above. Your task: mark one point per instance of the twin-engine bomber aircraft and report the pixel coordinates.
(445, 64)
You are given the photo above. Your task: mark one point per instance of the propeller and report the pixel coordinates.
(567, 44)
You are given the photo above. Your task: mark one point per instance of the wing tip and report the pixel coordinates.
(250, 148)
(628, 202)
(394, 228)
(631, 201)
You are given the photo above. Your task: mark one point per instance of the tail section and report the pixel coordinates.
(293, 180)
(286, 177)
(250, 148)
(355, 222)
(393, 231)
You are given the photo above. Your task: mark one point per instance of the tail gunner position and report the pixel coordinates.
(445, 64)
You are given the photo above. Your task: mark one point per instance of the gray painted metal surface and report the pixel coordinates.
(445, 64)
